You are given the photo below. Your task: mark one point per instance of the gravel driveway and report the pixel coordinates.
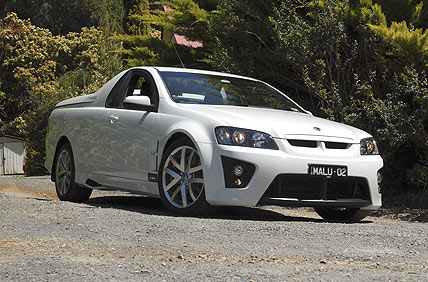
(123, 237)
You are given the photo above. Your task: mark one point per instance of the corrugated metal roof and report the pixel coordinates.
(182, 40)
(167, 8)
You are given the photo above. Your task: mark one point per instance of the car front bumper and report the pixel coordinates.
(269, 164)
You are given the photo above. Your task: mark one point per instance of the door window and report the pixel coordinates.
(133, 83)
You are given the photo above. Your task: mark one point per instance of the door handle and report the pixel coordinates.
(113, 119)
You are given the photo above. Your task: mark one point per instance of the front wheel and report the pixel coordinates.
(181, 180)
(342, 214)
(66, 188)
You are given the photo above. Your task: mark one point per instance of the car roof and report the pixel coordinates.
(186, 70)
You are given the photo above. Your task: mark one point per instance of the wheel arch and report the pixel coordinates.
(63, 140)
(200, 206)
(177, 135)
(199, 131)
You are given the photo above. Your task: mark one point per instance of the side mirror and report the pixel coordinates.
(137, 103)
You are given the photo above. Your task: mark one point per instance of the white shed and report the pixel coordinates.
(12, 153)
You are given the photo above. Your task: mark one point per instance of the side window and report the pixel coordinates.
(134, 83)
(115, 97)
(139, 86)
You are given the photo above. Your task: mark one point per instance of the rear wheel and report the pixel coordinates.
(181, 180)
(342, 214)
(66, 188)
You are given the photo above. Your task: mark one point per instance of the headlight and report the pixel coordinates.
(244, 137)
(368, 147)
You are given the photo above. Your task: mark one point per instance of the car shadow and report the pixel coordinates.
(153, 206)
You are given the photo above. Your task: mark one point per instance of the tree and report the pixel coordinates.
(109, 15)
(414, 12)
(39, 70)
(184, 17)
(408, 42)
(330, 51)
(244, 43)
(60, 17)
(137, 19)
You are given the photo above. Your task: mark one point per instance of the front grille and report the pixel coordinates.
(336, 145)
(314, 144)
(303, 143)
(305, 187)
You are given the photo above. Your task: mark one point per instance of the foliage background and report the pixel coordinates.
(361, 62)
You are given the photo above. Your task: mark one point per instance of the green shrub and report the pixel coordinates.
(333, 55)
(39, 70)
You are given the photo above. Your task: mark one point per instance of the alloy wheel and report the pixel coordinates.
(182, 177)
(63, 172)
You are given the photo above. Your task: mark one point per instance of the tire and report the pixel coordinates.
(66, 188)
(181, 182)
(345, 214)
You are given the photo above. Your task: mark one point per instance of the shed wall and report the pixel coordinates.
(12, 153)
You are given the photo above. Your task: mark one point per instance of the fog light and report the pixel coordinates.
(237, 173)
(238, 170)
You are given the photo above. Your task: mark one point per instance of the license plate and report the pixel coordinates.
(327, 170)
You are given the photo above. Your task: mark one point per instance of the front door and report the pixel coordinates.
(130, 149)
(131, 128)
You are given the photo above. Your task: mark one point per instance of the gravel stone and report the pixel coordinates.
(118, 236)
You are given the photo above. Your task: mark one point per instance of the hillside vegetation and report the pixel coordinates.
(364, 63)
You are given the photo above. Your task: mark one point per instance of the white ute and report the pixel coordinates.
(200, 139)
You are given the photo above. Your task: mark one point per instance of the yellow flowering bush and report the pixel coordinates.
(38, 70)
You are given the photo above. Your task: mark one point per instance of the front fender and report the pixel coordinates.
(193, 130)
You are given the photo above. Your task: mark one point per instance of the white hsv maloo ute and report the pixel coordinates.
(200, 139)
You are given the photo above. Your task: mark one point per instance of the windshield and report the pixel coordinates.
(195, 88)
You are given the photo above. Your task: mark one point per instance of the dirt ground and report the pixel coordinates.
(118, 236)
